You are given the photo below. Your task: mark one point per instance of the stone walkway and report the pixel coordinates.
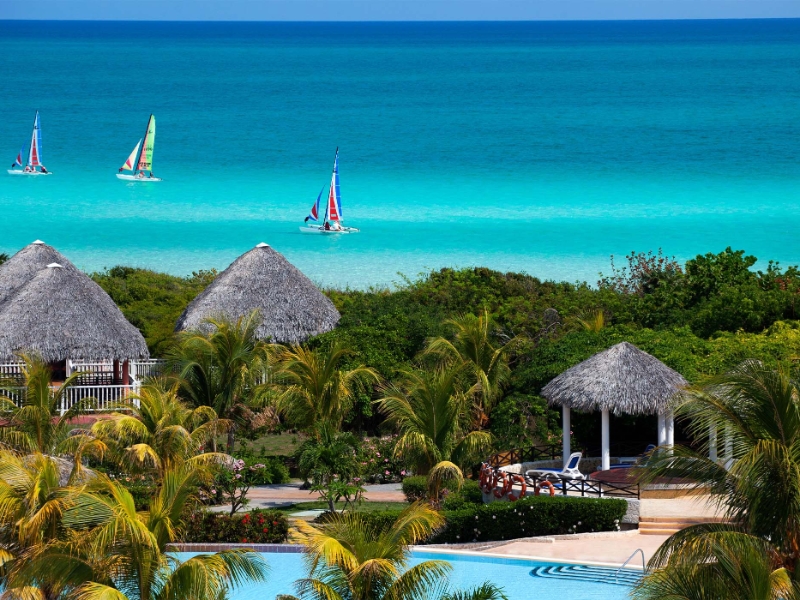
(273, 496)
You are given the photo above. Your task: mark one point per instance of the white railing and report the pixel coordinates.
(152, 367)
(103, 397)
(11, 369)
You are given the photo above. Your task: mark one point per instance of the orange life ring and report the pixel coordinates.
(487, 478)
(502, 476)
(517, 479)
(547, 484)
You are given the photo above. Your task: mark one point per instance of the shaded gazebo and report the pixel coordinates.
(291, 307)
(25, 264)
(622, 380)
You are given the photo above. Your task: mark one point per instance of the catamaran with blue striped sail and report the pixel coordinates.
(34, 161)
(333, 221)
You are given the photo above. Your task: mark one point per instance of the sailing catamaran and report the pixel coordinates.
(333, 221)
(34, 154)
(141, 159)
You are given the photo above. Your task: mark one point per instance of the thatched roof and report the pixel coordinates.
(291, 307)
(622, 379)
(60, 313)
(21, 268)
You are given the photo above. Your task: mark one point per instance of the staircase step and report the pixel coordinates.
(607, 575)
(658, 531)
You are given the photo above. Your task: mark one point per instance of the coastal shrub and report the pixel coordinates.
(531, 516)
(415, 488)
(255, 527)
(273, 470)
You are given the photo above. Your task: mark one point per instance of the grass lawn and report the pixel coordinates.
(363, 507)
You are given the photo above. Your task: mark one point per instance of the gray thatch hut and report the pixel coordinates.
(62, 314)
(291, 307)
(25, 264)
(622, 379)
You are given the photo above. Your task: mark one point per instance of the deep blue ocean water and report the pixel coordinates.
(536, 147)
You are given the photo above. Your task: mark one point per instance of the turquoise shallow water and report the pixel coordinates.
(537, 147)
(467, 571)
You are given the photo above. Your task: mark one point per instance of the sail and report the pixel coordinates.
(146, 157)
(19, 158)
(35, 154)
(314, 214)
(132, 158)
(334, 197)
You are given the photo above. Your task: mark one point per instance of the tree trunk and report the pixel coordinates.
(231, 438)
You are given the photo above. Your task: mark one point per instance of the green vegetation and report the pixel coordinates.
(351, 557)
(255, 527)
(755, 412)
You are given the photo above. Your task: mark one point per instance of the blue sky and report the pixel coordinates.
(390, 10)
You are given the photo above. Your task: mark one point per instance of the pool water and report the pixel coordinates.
(468, 571)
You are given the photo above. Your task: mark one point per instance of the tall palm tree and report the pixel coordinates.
(754, 411)
(315, 387)
(158, 432)
(39, 415)
(432, 413)
(225, 369)
(349, 558)
(472, 346)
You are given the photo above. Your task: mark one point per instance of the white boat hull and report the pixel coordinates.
(319, 230)
(28, 173)
(135, 178)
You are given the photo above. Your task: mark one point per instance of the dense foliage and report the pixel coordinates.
(152, 301)
(701, 318)
(255, 527)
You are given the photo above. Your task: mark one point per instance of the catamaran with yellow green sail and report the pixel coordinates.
(140, 162)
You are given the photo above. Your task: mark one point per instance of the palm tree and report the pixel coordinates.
(755, 412)
(472, 346)
(159, 432)
(316, 388)
(719, 564)
(225, 369)
(108, 551)
(39, 414)
(349, 558)
(432, 414)
(32, 499)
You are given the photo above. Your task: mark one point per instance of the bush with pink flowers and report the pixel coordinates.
(377, 461)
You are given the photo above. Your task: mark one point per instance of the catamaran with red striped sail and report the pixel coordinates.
(34, 161)
(141, 159)
(333, 221)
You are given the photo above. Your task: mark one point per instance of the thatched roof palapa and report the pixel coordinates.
(622, 379)
(61, 313)
(291, 307)
(25, 264)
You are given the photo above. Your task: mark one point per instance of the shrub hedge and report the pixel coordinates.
(255, 527)
(415, 488)
(530, 516)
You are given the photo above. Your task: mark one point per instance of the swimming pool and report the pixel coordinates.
(468, 571)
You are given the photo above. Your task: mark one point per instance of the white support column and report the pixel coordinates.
(662, 429)
(728, 448)
(566, 442)
(712, 442)
(670, 418)
(604, 441)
